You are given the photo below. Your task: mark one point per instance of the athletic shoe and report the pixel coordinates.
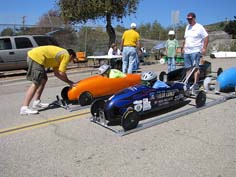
(38, 105)
(25, 110)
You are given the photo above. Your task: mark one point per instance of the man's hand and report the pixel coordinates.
(204, 51)
(71, 84)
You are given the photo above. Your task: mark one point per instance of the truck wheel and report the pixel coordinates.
(85, 98)
(97, 106)
(64, 93)
(200, 99)
(129, 120)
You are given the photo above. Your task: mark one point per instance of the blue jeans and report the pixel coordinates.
(129, 57)
(192, 59)
(171, 64)
(136, 64)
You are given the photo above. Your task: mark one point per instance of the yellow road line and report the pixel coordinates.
(42, 123)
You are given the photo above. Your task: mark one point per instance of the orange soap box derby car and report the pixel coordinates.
(97, 86)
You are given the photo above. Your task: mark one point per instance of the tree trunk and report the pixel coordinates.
(110, 30)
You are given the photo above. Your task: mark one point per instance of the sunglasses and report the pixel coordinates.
(189, 19)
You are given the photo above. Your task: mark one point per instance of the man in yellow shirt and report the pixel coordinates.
(106, 71)
(38, 59)
(130, 43)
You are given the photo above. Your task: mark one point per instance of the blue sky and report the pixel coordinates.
(207, 11)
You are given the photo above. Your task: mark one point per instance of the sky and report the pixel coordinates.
(207, 11)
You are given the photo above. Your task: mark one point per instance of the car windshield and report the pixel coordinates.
(45, 40)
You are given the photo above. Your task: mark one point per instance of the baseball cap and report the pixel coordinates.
(133, 25)
(191, 15)
(171, 32)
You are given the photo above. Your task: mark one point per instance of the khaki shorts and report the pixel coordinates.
(36, 72)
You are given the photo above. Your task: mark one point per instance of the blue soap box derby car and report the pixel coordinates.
(225, 81)
(128, 105)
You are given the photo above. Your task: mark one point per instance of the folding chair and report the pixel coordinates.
(81, 58)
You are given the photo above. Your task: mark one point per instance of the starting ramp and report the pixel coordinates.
(69, 107)
(212, 99)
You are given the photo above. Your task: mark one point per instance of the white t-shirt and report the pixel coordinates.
(112, 52)
(194, 37)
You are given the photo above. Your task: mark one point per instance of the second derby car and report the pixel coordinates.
(128, 105)
(86, 90)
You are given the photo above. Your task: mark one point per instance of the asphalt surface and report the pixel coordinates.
(60, 143)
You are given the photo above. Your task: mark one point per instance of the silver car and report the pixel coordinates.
(13, 49)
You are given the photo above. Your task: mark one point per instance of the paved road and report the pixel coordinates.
(65, 144)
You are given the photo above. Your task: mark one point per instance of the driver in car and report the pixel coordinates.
(106, 71)
(149, 79)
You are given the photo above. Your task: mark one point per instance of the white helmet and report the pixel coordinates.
(171, 32)
(103, 69)
(148, 76)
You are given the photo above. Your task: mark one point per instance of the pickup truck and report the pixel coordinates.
(13, 49)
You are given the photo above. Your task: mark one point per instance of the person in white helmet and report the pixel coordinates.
(171, 49)
(106, 71)
(149, 78)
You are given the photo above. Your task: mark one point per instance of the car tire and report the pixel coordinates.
(163, 76)
(64, 93)
(219, 71)
(200, 99)
(96, 107)
(129, 120)
(206, 83)
(85, 98)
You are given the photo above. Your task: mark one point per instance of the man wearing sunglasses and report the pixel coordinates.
(194, 46)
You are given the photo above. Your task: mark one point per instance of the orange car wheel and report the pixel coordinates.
(64, 93)
(85, 98)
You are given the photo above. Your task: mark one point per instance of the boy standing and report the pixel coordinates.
(171, 49)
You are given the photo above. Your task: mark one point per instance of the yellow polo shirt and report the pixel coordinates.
(130, 38)
(50, 56)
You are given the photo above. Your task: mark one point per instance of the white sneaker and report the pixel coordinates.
(25, 110)
(38, 105)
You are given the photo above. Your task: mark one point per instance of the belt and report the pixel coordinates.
(129, 46)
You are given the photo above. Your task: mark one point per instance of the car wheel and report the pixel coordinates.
(219, 71)
(64, 93)
(200, 99)
(212, 56)
(97, 106)
(129, 120)
(163, 76)
(85, 98)
(206, 83)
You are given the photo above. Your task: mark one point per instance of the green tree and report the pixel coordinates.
(80, 11)
(7, 32)
(230, 28)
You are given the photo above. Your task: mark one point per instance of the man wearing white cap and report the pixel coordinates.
(194, 46)
(130, 44)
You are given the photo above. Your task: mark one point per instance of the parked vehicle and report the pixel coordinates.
(88, 89)
(130, 104)
(180, 73)
(223, 54)
(13, 49)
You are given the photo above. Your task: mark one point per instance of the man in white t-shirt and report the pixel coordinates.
(194, 46)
